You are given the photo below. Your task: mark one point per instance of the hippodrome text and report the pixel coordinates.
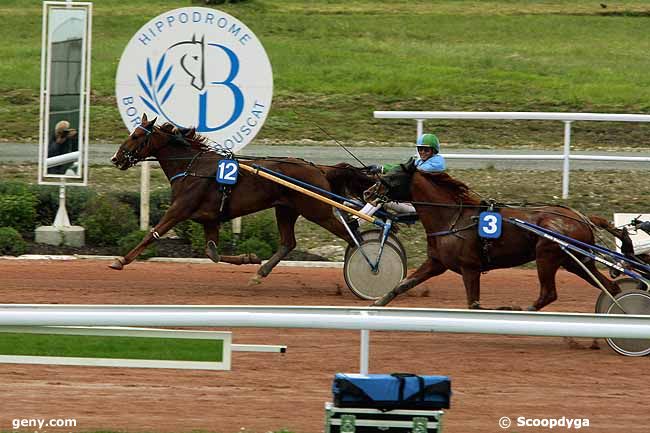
(196, 17)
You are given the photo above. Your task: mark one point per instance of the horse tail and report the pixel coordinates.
(627, 246)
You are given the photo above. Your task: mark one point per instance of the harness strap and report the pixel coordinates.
(144, 129)
(176, 176)
(451, 232)
(225, 194)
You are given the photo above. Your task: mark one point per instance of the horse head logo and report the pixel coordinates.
(157, 84)
(191, 55)
(193, 61)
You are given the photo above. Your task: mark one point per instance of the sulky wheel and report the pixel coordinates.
(361, 279)
(376, 234)
(633, 302)
(625, 284)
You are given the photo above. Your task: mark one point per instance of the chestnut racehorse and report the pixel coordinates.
(449, 211)
(190, 164)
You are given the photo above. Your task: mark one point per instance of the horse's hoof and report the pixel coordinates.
(212, 252)
(253, 259)
(531, 308)
(254, 281)
(572, 343)
(118, 265)
(510, 308)
(383, 301)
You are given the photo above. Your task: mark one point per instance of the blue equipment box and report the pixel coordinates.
(391, 391)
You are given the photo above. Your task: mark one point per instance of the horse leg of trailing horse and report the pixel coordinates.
(571, 266)
(547, 266)
(472, 283)
(211, 230)
(286, 219)
(166, 223)
(430, 268)
(611, 286)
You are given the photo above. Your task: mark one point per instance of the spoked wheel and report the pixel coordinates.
(633, 302)
(625, 284)
(376, 234)
(366, 283)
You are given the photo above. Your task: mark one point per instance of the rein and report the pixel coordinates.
(187, 172)
(452, 230)
(532, 208)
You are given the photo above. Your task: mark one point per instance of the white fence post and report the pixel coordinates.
(420, 127)
(364, 356)
(566, 163)
(144, 195)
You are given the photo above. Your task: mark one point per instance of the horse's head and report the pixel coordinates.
(138, 146)
(347, 180)
(395, 185)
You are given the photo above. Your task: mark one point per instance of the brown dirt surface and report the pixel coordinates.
(492, 375)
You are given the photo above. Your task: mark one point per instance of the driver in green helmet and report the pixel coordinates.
(429, 160)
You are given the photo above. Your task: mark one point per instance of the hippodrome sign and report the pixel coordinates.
(197, 67)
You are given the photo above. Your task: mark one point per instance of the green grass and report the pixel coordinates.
(335, 62)
(172, 349)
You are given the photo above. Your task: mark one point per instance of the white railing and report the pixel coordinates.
(567, 118)
(54, 161)
(345, 318)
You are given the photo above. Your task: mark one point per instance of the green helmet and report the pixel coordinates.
(428, 140)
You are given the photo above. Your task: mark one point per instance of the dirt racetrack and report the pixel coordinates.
(492, 376)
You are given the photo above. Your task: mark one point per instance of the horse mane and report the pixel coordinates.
(191, 137)
(197, 139)
(453, 186)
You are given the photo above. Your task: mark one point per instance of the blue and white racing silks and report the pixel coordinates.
(433, 164)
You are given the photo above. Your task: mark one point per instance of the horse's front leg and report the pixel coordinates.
(472, 283)
(430, 268)
(286, 221)
(169, 220)
(211, 230)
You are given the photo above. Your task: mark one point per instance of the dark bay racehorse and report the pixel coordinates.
(190, 164)
(448, 211)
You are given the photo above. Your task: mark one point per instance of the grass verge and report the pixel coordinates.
(114, 347)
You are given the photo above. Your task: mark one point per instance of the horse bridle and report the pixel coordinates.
(131, 156)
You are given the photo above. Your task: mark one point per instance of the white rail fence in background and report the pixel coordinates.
(340, 318)
(567, 118)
